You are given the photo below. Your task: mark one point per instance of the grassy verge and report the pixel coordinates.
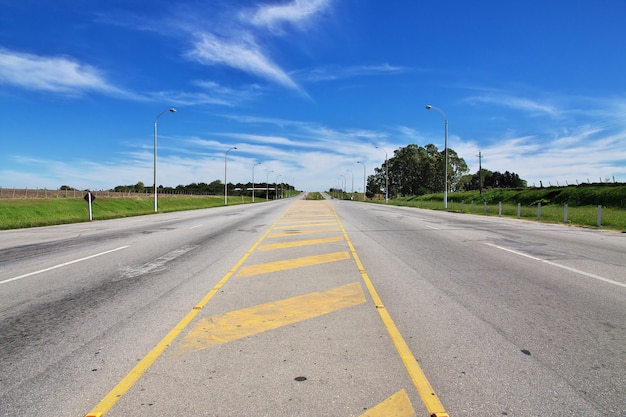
(22, 213)
(314, 196)
(505, 203)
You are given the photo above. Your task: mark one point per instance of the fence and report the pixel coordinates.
(25, 193)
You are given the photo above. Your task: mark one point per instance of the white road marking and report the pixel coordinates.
(196, 226)
(63, 264)
(577, 271)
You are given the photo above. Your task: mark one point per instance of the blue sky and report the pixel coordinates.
(307, 88)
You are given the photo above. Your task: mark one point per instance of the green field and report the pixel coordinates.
(582, 202)
(582, 210)
(33, 212)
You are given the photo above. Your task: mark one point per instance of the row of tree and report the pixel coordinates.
(214, 188)
(417, 170)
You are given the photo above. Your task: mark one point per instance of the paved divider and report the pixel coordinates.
(294, 328)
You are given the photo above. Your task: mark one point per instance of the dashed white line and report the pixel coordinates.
(577, 271)
(62, 265)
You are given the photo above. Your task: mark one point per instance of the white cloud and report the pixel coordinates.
(241, 53)
(53, 74)
(331, 73)
(296, 12)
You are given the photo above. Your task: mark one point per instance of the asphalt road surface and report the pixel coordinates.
(312, 308)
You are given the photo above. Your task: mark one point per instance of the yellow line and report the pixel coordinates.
(424, 389)
(304, 232)
(301, 243)
(398, 405)
(133, 376)
(292, 264)
(234, 325)
(301, 224)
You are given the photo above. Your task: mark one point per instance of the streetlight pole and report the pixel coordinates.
(276, 186)
(364, 179)
(386, 177)
(172, 110)
(352, 173)
(225, 182)
(258, 163)
(267, 185)
(343, 189)
(445, 169)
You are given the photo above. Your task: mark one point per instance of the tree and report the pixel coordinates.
(416, 170)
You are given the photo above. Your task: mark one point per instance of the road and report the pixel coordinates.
(312, 308)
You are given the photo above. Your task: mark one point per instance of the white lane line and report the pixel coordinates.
(196, 226)
(62, 265)
(577, 271)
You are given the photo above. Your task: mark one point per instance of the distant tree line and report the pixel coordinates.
(418, 170)
(214, 188)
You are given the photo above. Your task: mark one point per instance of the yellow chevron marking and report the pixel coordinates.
(305, 232)
(398, 405)
(301, 243)
(216, 330)
(304, 224)
(294, 263)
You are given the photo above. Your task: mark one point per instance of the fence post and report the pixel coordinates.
(539, 210)
(599, 223)
(565, 213)
(519, 210)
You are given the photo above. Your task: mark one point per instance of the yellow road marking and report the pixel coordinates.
(424, 389)
(285, 265)
(216, 330)
(398, 405)
(301, 243)
(302, 224)
(305, 232)
(133, 376)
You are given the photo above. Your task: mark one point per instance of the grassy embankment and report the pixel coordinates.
(21, 213)
(582, 201)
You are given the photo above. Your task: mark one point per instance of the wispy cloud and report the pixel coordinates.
(241, 53)
(56, 74)
(296, 12)
(331, 73)
(517, 103)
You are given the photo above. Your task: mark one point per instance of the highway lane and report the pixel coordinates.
(514, 317)
(506, 317)
(66, 334)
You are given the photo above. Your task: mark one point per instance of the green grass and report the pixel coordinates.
(314, 196)
(22, 213)
(582, 201)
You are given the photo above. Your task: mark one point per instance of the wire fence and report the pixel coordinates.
(26, 193)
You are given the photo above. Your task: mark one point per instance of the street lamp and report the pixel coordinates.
(343, 189)
(276, 186)
(225, 182)
(267, 185)
(386, 176)
(445, 169)
(364, 188)
(258, 163)
(352, 173)
(172, 110)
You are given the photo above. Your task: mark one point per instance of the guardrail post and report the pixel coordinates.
(539, 210)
